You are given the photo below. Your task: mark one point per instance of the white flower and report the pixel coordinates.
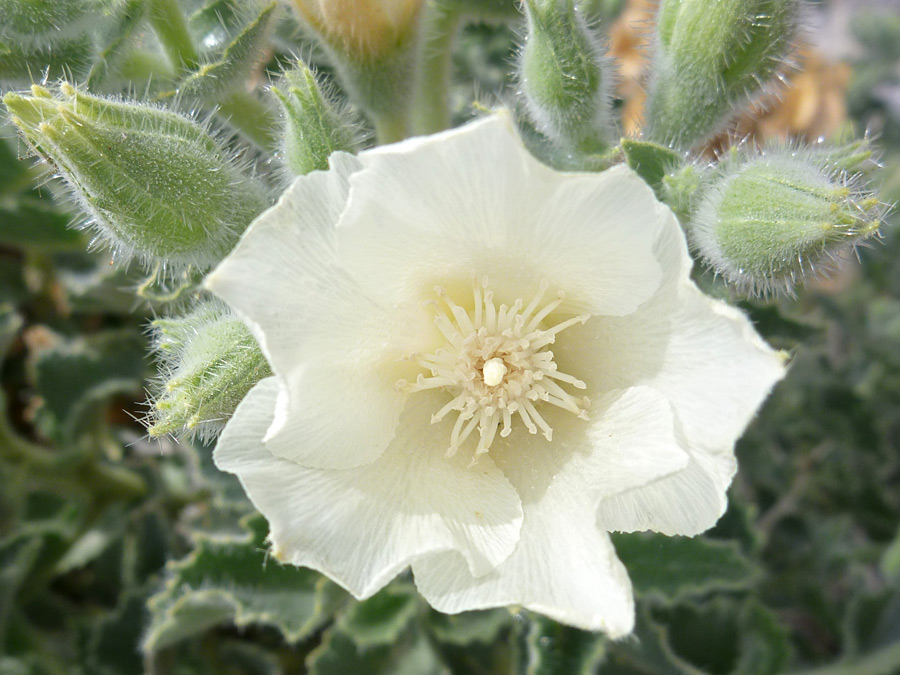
(482, 366)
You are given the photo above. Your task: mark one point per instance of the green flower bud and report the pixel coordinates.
(46, 38)
(711, 56)
(154, 183)
(565, 79)
(315, 126)
(769, 219)
(372, 45)
(208, 363)
(855, 157)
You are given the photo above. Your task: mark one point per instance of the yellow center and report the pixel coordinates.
(496, 365)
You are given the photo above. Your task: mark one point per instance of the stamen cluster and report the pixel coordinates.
(497, 365)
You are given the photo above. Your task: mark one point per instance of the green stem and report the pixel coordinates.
(170, 27)
(884, 661)
(251, 116)
(390, 127)
(431, 102)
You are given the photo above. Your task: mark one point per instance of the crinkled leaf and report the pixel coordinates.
(34, 223)
(10, 323)
(473, 643)
(765, 649)
(236, 580)
(890, 560)
(706, 635)
(675, 567)
(340, 655)
(383, 617)
(467, 627)
(17, 557)
(75, 377)
(648, 652)
(94, 541)
(554, 649)
(872, 621)
(114, 645)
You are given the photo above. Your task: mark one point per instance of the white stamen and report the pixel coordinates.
(496, 364)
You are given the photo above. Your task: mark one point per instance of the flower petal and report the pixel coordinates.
(687, 502)
(325, 338)
(503, 214)
(565, 566)
(362, 526)
(702, 354)
(707, 360)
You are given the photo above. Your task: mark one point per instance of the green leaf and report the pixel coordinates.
(17, 557)
(75, 377)
(340, 655)
(35, 223)
(648, 653)
(650, 161)
(237, 581)
(555, 649)
(232, 68)
(10, 323)
(675, 567)
(706, 635)
(890, 560)
(473, 643)
(383, 617)
(765, 646)
(94, 541)
(114, 645)
(467, 627)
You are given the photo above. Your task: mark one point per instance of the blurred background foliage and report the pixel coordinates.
(123, 555)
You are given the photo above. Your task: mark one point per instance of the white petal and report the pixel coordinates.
(362, 526)
(707, 360)
(325, 338)
(702, 354)
(564, 565)
(502, 214)
(687, 502)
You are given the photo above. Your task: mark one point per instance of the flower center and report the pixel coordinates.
(497, 365)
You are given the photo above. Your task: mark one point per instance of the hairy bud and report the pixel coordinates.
(314, 125)
(769, 219)
(565, 79)
(155, 184)
(209, 361)
(711, 56)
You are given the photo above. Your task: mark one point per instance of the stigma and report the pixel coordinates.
(496, 366)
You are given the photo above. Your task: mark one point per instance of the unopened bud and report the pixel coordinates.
(209, 361)
(711, 56)
(372, 45)
(363, 29)
(315, 126)
(154, 183)
(856, 157)
(768, 220)
(565, 78)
